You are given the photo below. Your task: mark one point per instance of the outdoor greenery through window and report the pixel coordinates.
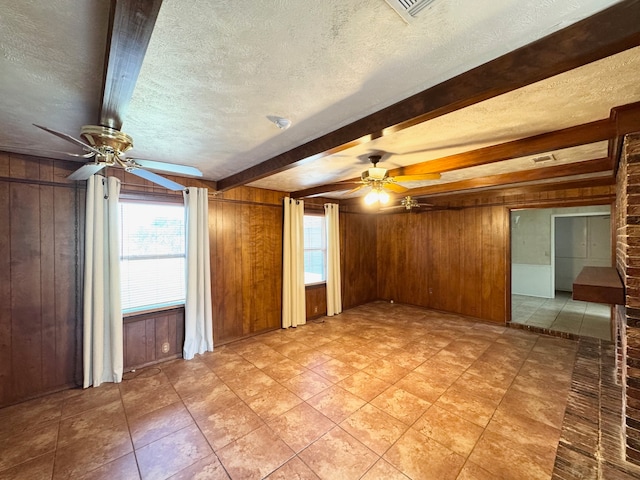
(152, 255)
(315, 249)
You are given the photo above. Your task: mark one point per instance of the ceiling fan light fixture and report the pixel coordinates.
(371, 197)
(383, 197)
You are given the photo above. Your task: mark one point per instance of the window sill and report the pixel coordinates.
(152, 311)
(315, 285)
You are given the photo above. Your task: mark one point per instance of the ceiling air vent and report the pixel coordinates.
(544, 158)
(408, 9)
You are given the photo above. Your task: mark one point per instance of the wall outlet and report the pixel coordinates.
(315, 309)
(165, 347)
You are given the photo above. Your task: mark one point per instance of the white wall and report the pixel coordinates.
(532, 248)
(579, 242)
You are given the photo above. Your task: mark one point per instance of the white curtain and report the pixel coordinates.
(293, 299)
(102, 313)
(198, 319)
(334, 287)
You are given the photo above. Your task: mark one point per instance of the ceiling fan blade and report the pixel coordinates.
(132, 23)
(417, 177)
(155, 178)
(394, 187)
(354, 190)
(39, 152)
(168, 167)
(69, 138)
(86, 171)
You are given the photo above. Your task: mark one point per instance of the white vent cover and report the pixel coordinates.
(408, 9)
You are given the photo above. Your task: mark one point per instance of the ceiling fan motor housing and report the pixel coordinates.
(374, 173)
(106, 137)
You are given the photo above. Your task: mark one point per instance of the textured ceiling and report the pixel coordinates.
(214, 71)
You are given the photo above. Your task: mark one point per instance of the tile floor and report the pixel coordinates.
(382, 391)
(562, 314)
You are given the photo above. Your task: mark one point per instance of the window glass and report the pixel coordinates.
(152, 255)
(315, 249)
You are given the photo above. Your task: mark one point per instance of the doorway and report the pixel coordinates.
(549, 247)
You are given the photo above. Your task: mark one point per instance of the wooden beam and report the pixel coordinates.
(130, 26)
(606, 33)
(545, 173)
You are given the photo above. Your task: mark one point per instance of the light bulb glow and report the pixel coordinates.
(371, 197)
(383, 197)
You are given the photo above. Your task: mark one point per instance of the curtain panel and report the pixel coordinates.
(334, 286)
(198, 318)
(102, 313)
(293, 295)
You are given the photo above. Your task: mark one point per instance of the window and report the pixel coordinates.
(315, 249)
(152, 255)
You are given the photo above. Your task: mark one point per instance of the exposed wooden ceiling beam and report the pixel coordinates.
(606, 33)
(130, 26)
(545, 173)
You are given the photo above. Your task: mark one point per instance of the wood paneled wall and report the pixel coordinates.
(452, 260)
(39, 247)
(146, 334)
(245, 229)
(358, 260)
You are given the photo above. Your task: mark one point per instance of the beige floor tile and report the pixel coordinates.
(386, 370)
(264, 357)
(123, 468)
(548, 410)
(309, 358)
(363, 385)
(173, 453)
(86, 424)
(401, 404)
(272, 402)
(357, 360)
(37, 468)
(301, 426)
(374, 428)
(255, 455)
(223, 427)
(336, 403)
(471, 471)
(338, 456)
(495, 454)
(459, 401)
(284, 370)
(192, 384)
(84, 456)
(91, 398)
(383, 470)
(28, 444)
(159, 423)
(428, 388)
(141, 402)
(205, 403)
(250, 383)
(448, 429)
(334, 370)
(207, 468)
(293, 469)
(23, 416)
(307, 384)
(420, 457)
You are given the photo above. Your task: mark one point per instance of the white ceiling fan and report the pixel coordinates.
(131, 24)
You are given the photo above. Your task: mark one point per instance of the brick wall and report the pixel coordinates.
(628, 265)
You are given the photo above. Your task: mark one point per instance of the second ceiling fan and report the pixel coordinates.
(378, 180)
